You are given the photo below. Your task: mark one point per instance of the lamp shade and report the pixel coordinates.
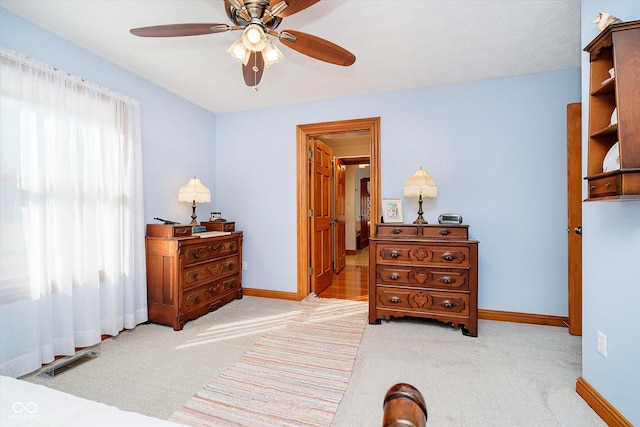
(194, 191)
(238, 51)
(271, 54)
(254, 38)
(420, 184)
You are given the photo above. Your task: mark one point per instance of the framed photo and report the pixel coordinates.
(392, 210)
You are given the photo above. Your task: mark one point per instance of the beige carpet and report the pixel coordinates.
(511, 375)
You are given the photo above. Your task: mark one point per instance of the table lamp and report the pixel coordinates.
(195, 192)
(420, 185)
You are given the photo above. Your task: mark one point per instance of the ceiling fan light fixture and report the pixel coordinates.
(254, 38)
(239, 51)
(271, 54)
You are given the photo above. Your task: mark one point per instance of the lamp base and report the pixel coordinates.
(420, 219)
(193, 214)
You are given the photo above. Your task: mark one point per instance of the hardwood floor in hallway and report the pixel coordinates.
(352, 282)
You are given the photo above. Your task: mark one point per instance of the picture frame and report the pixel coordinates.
(392, 210)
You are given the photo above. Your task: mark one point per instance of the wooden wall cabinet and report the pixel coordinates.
(617, 48)
(191, 276)
(428, 271)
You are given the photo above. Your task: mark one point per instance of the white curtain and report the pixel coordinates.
(71, 214)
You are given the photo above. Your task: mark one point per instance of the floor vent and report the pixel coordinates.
(63, 364)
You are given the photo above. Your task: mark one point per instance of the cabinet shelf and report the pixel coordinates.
(616, 48)
(611, 130)
(608, 87)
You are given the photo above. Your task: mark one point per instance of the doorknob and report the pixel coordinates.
(577, 230)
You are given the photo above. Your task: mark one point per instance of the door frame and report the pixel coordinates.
(574, 216)
(369, 126)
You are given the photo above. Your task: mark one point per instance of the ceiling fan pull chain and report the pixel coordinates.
(255, 71)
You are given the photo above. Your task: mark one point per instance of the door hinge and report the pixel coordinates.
(310, 213)
(310, 271)
(310, 154)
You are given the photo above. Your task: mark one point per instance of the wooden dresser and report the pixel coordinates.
(424, 270)
(188, 276)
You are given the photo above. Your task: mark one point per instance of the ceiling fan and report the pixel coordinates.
(257, 19)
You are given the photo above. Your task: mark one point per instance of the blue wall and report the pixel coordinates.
(178, 137)
(497, 150)
(611, 265)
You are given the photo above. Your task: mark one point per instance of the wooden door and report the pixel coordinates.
(364, 212)
(339, 228)
(574, 220)
(321, 216)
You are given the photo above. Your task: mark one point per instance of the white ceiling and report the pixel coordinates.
(399, 44)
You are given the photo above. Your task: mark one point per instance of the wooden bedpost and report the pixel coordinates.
(404, 407)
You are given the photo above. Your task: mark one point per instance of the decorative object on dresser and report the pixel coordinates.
(604, 19)
(194, 191)
(189, 275)
(419, 185)
(392, 210)
(422, 270)
(217, 223)
(613, 150)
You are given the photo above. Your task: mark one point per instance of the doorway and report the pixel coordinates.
(369, 127)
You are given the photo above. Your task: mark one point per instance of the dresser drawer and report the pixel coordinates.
(203, 272)
(393, 253)
(165, 230)
(384, 230)
(605, 186)
(193, 253)
(445, 232)
(209, 292)
(422, 301)
(423, 277)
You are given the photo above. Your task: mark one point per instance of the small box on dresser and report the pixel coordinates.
(219, 225)
(191, 276)
(424, 270)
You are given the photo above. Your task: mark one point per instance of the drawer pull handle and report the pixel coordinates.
(447, 280)
(447, 304)
(231, 266)
(397, 231)
(444, 232)
(394, 299)
(608, 184)
(593, 187)
(196, 254)
(196, 299)
(394, 254)
(394, 276)
(195, 276)
(448, 256)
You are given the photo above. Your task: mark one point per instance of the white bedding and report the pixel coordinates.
(26, 404)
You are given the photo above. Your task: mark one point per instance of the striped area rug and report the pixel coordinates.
(294, 375)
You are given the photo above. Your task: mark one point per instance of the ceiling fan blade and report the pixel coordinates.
(252, 72)
(318, 48)
(294, 6)
(178, 30)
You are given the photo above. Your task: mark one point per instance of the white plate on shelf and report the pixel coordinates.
(612, 159)
(604, 82)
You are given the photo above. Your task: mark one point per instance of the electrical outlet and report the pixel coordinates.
(602, 344)
(244, 265)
